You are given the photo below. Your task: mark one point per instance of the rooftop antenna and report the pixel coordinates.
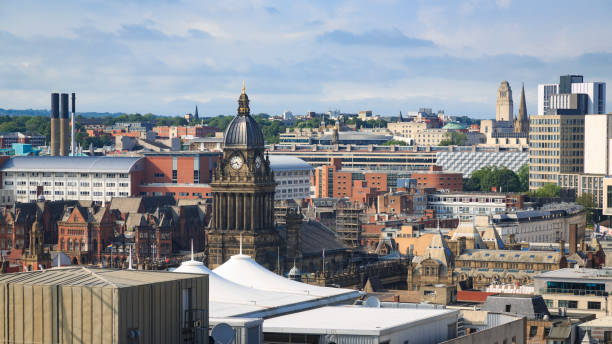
(130, 260)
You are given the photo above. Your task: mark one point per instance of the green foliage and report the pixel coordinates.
(454, 138)
(523, 175)
(587, 201)
(467, 120)
(486, 178)
(548, 190)
(395, 143)
(371, 123)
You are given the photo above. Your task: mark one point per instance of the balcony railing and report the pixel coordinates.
(573, 291)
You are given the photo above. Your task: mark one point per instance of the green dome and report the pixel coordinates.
(454, 126)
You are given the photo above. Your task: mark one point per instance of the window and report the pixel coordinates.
(549, 303)
(533, 330)
(508, 308)
(158, 175)
(84, 184)
(123, 185)
(110, 175)
(568, 303)
(110, 193)
(97, 185)
(110, 185)
(123, 175)
(84, 193)
(97, 193)
(594, 305)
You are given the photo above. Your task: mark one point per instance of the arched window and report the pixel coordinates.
(69, 245)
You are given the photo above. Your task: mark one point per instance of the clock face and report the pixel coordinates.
(258, 162)
(236, 162)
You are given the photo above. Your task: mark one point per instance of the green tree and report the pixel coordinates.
(523, 175)
(587, 201)
(489, 177)
(454, 138)
(395, 143)
(548, 190)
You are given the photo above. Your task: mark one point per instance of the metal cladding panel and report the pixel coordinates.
(54, 105)
(64, 105)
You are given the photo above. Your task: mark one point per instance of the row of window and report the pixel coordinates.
(69, 174)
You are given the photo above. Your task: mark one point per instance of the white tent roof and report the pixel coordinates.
(231, 299)
(243, 270)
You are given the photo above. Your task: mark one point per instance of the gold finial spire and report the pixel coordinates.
(243, 88)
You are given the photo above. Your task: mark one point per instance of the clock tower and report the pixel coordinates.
(243, 195)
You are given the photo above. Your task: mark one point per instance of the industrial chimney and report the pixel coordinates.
(64, 141)
(72, 138)
(54, 144)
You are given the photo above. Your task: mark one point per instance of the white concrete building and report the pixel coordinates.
(597, 95)
(596, 92)
(465, 205)
(544, 93)
(597, 144)
(71, 178)
(292, 176)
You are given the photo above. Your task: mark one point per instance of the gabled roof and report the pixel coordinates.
(468, 230)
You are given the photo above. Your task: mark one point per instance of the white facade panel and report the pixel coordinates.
(597, 135)
(596, 92)
(67, 185)
(544, 93)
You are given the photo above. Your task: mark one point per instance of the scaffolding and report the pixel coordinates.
(348, 223)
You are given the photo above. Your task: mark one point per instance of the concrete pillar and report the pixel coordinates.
(252, 211)
(232, 211)
(239, 211)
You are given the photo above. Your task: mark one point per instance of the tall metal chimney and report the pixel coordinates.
(72, 138)
(54, 144)
(63, 121)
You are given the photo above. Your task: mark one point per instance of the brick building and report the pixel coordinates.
(183, 131)
(84, 233)
(439, 180)
(183, 175)
(331, 182)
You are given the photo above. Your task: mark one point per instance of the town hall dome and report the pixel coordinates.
(243, 130)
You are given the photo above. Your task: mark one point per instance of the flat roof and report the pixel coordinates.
(353, 320)
(599, 322)
(582, 273)
(91, 277)
(79, 164)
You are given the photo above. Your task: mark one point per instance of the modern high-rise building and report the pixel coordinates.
(556, 96)
(504, 110)
(556, 146)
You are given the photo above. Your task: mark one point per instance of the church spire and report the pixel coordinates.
(521, 123)
(196, 116)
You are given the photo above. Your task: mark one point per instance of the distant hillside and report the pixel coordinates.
(32, 112)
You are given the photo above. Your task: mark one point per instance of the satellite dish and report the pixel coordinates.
(223, 334)
(372, 302)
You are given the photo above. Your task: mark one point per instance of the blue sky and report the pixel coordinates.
(167, 56)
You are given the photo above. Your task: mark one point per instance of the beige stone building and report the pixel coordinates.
(556, 146)
(407, 129)
(504, 108)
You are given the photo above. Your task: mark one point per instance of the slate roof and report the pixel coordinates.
(530, 306)
(132, 204)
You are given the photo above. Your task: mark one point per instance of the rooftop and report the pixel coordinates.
(286, 162)
(599, 322)
(80, 164)
(581, 273)
(352, 320)
(91, 277)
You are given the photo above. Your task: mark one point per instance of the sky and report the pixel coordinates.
(166, 57)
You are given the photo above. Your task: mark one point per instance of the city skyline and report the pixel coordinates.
(300, 57)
